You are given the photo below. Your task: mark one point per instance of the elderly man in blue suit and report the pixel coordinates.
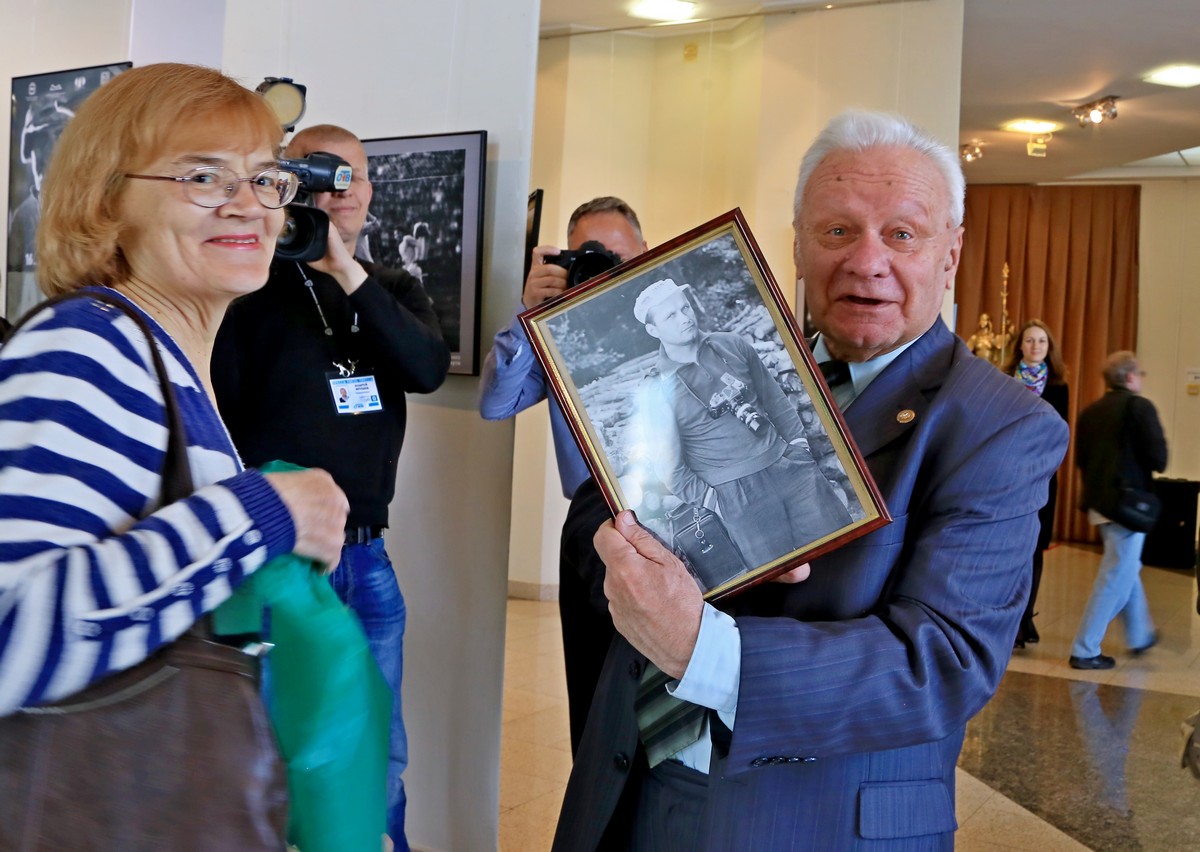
(829, 713)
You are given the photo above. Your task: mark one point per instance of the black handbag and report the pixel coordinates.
(1137, 510)
(174, 753)
(700, 539)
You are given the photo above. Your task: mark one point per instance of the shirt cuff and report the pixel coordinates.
(511, 343)
(714, 672)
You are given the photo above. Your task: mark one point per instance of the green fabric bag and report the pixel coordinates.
(328, 702)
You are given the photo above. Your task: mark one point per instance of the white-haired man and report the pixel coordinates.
(833, 710)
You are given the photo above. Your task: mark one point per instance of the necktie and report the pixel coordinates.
(835, 372)
(837, 376)
(666, 723)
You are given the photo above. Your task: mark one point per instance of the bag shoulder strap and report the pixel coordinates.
(1125, 449)
(176, 470)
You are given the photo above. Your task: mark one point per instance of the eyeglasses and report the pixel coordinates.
(212, 186)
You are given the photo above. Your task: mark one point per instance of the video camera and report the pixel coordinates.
(585, 263)
(305, 232)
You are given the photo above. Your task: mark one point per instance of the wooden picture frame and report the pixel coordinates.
(697, 404)
(426, 215)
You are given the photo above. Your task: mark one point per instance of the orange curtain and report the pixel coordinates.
(1072, 253)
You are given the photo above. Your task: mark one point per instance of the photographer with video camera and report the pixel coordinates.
(283, 358)
(600, 234)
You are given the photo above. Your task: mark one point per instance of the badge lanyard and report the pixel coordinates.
(352, 394)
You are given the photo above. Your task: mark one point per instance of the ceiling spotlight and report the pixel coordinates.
(1096, 112)
(971, 151)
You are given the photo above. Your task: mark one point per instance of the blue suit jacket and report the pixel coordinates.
(856, 685)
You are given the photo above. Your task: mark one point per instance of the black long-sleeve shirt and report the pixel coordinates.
(273, 361)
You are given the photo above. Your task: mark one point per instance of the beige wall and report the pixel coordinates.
(902, 57)
(1169, 315)
(687, 127)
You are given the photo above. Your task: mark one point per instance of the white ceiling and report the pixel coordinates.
(1035, 59)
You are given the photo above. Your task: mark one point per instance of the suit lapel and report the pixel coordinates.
(899, 397)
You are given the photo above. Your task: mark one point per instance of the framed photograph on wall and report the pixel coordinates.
(42, 104)
(697, 404)
(426, 216)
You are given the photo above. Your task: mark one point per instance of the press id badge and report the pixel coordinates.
(355, 394)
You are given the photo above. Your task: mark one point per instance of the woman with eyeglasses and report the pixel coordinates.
(165, 194)
(1038, 365)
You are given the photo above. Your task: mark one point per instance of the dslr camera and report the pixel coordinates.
(586, 262)
(731, 400)
(305, 232)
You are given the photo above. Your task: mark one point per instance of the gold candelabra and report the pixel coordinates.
(995, 345)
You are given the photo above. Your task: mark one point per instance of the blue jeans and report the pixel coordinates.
(365, 582)
(1117, 591)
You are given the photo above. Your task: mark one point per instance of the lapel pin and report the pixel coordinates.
(906, 416)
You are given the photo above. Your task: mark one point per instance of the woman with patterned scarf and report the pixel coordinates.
(1038, 365)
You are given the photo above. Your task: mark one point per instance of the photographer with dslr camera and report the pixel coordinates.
(600, 233)
(313, 369)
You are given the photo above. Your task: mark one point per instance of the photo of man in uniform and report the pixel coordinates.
(729, 440)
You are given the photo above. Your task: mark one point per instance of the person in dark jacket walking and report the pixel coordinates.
(1119, 444)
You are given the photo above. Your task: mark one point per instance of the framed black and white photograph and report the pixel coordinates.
(697, 405)
(426, 216)
(42, 104)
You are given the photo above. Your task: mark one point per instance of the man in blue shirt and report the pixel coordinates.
(512, 381)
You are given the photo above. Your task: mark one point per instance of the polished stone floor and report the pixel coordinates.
(1058, 760)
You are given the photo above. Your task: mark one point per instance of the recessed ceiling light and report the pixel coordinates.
(1182, 76)
(1035, 126)
(664, 10)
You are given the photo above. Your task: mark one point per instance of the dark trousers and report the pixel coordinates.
(669, 809)
(1033, 588)
(587, 628)
(586, 635)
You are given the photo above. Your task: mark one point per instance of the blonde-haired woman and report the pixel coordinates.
(165, 196)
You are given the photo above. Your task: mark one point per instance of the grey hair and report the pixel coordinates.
(1118, 367)
(859, 130)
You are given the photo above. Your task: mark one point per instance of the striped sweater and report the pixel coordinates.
(94, 575)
